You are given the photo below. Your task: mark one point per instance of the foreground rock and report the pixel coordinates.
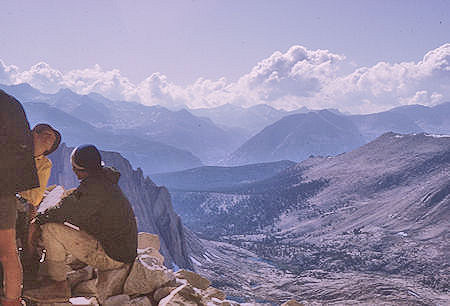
(145, 283)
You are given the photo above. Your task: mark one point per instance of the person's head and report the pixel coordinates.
(45, 139)
(85, 159)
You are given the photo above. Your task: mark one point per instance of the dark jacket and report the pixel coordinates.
(17, 168)
(99, 207)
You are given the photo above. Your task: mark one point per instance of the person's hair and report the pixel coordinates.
(86, 158)
(42, 127)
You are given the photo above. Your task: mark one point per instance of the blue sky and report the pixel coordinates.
(178, 42)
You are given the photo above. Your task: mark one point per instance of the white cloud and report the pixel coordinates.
(298, 77)
(7, 73)
(156, 89)
(385, 85)
(42, 77)
(108, 83)
(298, 72)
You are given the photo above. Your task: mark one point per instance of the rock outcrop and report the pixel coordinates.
(151, 203)
(145, 283)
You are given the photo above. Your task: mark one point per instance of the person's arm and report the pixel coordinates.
(35, 195)
(74, 208)
(18, 171)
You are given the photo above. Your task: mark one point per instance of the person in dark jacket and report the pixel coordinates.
(17, 173)
(95, 224)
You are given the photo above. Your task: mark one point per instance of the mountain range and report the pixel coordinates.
(179, 129)
(296, 137)
(405, 119)
(159, 140)
(150, 155)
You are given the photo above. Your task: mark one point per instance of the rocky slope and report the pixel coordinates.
(378, 214)
(151, 204)
(245, 276)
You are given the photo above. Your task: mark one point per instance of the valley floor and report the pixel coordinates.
(246, 277)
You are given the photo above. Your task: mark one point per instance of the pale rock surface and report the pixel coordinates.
(214, 293)
(85, 288)
(141, 301)
(149, 244)
(194, 279)
(111, 282)
(152, 253)
(215, 301)
(183, 295)
(146, 240)
(162, 293)
(146, 276)
(118, 300)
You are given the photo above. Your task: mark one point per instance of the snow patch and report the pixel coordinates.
(195, 261)
(83, 301)
(207, 258)
(438, 135)
(403, 234)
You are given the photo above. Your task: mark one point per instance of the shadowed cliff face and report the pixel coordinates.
(151, 204)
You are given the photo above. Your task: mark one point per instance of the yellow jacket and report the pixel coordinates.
(44, 167)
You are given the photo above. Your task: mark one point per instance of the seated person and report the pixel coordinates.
(95, 224)
(45, 141)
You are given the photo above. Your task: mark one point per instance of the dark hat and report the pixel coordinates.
(86, 157)
(41, 127)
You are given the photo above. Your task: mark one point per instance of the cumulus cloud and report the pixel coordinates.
(108, 83)
(298, 72)
(385, 85)
(43, 77)
(7, 73)
(298, 77)
(156, 89)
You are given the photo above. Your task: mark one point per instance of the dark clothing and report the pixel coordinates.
(99, 207)
(8, 212)
(17, 168)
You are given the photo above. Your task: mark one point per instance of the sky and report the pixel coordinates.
(357, 56)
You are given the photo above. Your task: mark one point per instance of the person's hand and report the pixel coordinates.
(49, 189)
(68, 192)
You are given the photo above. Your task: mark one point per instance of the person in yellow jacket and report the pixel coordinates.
(45, 141)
